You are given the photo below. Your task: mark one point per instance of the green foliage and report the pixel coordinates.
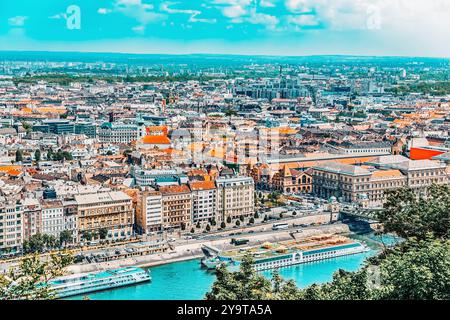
(103, 233)
(87, 235)
(410, 216)
(29, 280)
(228, 219)
(416, 269)
(65, 237)
(39, 243)
(37, 155)
(19, 155)
(432, 88)
(223, 225)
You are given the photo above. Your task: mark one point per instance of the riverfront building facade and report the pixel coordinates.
(112, 211)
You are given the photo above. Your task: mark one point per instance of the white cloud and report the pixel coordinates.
(17, 21)
(233, 8)
(104, 11)
(303, 20)
(193, 13)
(142, 12)
(139, 29)
(234, 11)
(262, 18)
(267, 3)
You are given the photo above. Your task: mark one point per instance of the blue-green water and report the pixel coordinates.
(186, 280)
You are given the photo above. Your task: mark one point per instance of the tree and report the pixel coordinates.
(86, 235)
(30, 280)
(19, 155)
(37, 155)
(65, 237)
(408, 215)
(281, 215)
(39, 242)
(198, 226)
(294, 213)
(192, 230)
(50, 154)
(228, 219)
(238, 223)
(256, 215)
(26, 126)
(252, 220)
(35, 243)
(208, 228)
(103, 233)
(241, 218)
(247, 284)
(223, 225)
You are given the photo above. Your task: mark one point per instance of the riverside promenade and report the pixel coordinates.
(191, 249)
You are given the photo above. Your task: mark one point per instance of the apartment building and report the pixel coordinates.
(112, 132)
(235, 197)
(177, 206)
(149, 211)
(351, 183)
(52, 217)
(112, 211)
(203, 200)
(32, 218)
(11, 226)
(70, 217)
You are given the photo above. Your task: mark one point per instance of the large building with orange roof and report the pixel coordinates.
(203, 201)
(177, 206)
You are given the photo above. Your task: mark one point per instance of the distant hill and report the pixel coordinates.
(210, 59)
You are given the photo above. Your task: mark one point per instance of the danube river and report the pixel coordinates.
(186, 280)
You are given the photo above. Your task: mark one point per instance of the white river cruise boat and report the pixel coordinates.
(288, 253)
(89, 282)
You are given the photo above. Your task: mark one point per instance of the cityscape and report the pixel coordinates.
(270, 174)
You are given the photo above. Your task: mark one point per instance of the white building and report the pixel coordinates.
(235, 197)
(149, 215)
(11, 226)
(52, 217)
(203, 200)
(112, 132)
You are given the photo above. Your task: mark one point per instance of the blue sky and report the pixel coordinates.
(271, 27)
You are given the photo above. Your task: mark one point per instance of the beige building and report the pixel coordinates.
(350, 183)
(112, 211)
(149, 216)
(177, 206)
(235, 197)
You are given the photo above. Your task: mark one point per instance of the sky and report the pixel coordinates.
(250, 27)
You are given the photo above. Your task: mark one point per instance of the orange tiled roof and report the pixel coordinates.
(386, 173)
(174, 189)
(202, 185)
(155, 140)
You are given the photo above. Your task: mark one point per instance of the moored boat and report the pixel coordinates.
(288, 253)
(90, 282)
